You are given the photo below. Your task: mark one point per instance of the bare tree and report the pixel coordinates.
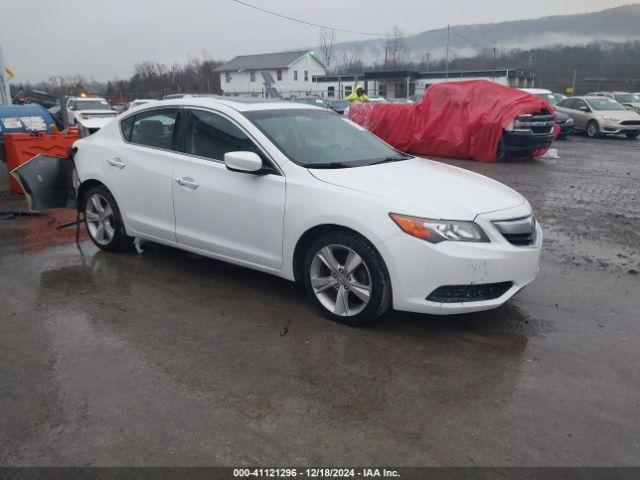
(395, 48)
(351, 60)
(327, 43)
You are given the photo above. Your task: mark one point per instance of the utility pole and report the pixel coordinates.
(573, 84)
(446, 65)
(493, 66)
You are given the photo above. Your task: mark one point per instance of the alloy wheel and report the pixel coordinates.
(341, 280)
(100, 220)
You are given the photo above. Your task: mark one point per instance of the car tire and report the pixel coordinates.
(103, 220)
(632, 135)
(593, 129)
(501, 151)
(346, 278)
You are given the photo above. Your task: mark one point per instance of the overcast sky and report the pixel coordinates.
(105, 39)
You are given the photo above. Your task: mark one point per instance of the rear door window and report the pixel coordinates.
(125, 127)
(154, 128)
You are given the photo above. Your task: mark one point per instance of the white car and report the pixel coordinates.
(89, 114)
(304, 194)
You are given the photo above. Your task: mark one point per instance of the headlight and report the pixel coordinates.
(608, 118)
(436, 231)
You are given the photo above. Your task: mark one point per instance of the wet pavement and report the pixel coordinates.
(167, 358)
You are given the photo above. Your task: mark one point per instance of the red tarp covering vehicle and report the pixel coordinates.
(462, 120)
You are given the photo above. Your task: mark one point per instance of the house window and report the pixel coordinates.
(347, 90)
(227, 77)
(306, 75)
(252, 76)
(331, 92)
(295, 75)
(279, 75)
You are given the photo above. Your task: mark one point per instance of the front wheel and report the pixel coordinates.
(593, 130)
(103, 220)
(347, 279)
(632, 135)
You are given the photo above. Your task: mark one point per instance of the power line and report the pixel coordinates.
(310, 23)
(467, 40)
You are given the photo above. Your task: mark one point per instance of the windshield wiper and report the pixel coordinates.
(394, 158)
(328, 165)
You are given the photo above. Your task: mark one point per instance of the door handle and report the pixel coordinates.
(116, 162)
(187, 182)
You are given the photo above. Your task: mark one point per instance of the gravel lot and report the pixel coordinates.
(172, 359)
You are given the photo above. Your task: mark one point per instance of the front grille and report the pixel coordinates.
(540, 124)
(469, 293)
(520, 232)
(630, 122)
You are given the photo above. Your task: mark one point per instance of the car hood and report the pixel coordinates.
(561, 115)
(621, 114)
(427, 188)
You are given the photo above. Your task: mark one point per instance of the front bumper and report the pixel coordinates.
(418, 268)
(525, 142)
(611, 128)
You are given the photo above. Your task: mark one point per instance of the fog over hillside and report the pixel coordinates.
(618, 24)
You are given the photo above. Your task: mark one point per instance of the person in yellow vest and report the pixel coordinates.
(358, 96)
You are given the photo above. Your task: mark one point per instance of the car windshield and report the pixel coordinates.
(626, 98)
(604, 103)
(91, 105)
(549, 97)
(339, 104)
(322, 139)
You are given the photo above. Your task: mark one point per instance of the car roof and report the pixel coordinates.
(536, 90)
(591, 97)
(241, 104)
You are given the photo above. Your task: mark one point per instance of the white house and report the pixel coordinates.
(285, 73)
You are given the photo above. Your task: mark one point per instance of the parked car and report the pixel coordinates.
(140, 101)
(559, 96)
(627, 99)
(339, 105)
(563, 121)
(416, 98)
(89, 114)
(121, 107)
(315, 101)
(601, 116)
(297, 192)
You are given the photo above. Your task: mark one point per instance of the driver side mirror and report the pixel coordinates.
(244, 162)
(583, 108)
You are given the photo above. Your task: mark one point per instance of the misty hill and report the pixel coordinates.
(613, 25)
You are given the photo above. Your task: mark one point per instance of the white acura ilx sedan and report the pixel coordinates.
(302, 193)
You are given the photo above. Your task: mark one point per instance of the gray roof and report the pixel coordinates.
(259, 62)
